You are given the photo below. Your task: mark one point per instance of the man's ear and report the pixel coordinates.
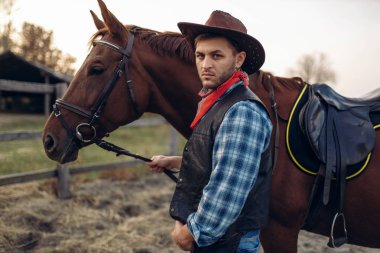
(240, 58)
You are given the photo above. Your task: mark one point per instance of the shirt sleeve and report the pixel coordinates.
(242, 137)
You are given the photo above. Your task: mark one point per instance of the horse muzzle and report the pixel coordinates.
(63, 153)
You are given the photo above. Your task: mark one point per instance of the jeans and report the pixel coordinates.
(250, 242)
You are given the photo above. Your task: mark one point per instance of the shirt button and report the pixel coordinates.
(172, 210)
(180, 179)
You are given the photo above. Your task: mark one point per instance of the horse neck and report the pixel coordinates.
(285, 91)
(173, 91)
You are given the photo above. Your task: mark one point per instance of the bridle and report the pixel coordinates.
(95, 113)
(77, 136)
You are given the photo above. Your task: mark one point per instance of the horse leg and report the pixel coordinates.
(289, 201)
(277, 237)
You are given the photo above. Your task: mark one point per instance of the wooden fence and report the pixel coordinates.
(48, 90)
(62, 172)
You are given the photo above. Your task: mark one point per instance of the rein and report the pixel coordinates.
(78, 135)
(120, 151)
(277, 127)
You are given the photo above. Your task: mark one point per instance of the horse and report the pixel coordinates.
(131, 70)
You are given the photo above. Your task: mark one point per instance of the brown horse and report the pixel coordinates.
(160, 65)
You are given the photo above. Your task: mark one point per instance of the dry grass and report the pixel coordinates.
(104, 216)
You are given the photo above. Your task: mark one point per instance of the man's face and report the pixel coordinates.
(216, 60)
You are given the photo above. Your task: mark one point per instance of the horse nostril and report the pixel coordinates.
(49, 143)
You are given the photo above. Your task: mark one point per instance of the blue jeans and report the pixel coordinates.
(250, 242)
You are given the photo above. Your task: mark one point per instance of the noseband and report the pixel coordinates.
(95, 113)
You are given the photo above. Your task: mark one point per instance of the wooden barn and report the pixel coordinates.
(27, 87)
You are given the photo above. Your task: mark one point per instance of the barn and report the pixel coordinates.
(27, 87)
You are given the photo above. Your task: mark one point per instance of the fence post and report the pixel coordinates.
(47, 98)
(60, 89)
(63, 184)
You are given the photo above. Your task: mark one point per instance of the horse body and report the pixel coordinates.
(167, 83)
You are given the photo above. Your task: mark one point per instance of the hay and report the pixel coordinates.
(104, 216)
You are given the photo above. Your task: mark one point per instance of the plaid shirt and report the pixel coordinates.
(242, 137)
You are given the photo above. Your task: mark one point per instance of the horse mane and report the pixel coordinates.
(175, 44)
(267, 79)
(164, 43)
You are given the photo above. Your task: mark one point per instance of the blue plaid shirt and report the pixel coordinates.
(242, 137)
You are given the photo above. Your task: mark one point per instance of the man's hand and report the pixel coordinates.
(161, 162)
(182, 236)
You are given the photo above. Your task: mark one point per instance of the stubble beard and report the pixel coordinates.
(222, 79)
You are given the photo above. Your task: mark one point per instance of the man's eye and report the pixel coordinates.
(199, 56)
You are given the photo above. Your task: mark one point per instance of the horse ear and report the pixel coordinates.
(112, 23)
(98, 23)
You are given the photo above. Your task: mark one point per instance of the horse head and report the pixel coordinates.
(110, 89)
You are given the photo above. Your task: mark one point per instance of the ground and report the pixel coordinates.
(103, 215)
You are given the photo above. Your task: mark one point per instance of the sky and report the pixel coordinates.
(346, 31)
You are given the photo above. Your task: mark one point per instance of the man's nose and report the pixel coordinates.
(207, 63)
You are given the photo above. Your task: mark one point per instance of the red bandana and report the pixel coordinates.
(211, 96)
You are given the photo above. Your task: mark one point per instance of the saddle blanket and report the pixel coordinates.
(300, 150)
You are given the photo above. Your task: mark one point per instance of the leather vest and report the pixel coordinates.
(196, 169)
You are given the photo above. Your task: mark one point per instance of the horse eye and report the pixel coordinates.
(95, 71)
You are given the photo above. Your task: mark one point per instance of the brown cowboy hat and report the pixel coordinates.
(224, 24)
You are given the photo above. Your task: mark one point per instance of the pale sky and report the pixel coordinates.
(347, 31)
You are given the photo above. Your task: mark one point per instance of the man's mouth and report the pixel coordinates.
(207, 75)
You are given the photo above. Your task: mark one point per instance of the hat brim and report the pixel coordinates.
(255, 54)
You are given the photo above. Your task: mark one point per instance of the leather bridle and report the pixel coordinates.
(95, 113)
(77, 136)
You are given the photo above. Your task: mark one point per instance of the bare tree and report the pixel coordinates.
(7, 29)
(314, 68)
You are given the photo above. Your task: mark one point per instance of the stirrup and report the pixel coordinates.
(336, 241)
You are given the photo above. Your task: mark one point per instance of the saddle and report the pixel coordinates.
(340, 133)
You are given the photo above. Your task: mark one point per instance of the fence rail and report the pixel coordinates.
(20, 135)
(62, 172)
(48, 90)
(29, 87)
(30, 135)
(51, 173)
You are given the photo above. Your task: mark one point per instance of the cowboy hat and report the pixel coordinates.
(222, 23)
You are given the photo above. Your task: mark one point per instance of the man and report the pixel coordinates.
(222, 198)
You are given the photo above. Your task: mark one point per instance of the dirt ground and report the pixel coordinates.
(102, 216)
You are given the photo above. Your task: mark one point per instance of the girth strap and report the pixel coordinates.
(331, 154)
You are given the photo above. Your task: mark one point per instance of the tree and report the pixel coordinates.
(314, 68)
(35, 43)
(7, 29)
(37, 46)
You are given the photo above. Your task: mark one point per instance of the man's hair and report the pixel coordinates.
(214, 35)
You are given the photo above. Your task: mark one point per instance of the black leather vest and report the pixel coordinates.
(197, 167)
